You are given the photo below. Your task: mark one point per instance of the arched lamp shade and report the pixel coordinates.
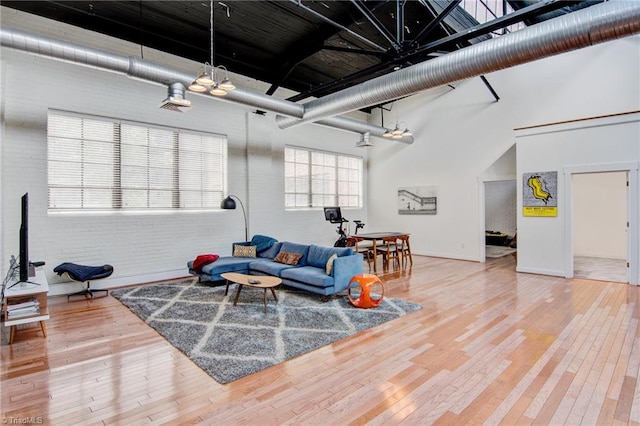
(229, 204)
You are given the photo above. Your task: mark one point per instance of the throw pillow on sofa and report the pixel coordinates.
(329, 267)
(302, 249)
(288, 258)
(244, 251)
(203, 260)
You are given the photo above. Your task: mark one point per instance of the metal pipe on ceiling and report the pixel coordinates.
(595, 24)
(149, 71)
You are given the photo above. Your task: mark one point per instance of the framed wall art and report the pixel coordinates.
(540, 194)
(418, 200)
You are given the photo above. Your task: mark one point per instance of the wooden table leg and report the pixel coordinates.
(12, 333)
(274, 294)
(375, 257)
(265, 300)
(44, 328)
(237, 294)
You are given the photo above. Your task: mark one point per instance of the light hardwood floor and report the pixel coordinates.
(491, 346)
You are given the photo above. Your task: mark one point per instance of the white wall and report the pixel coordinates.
(459, 133)
(600, 215)
(542, 241)
(143, 246)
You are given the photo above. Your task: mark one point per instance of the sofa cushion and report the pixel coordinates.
(227, 264)
(244, 251)
(318, 256)
(288, 258)
(309, 275)
(262, 242)
(303, 249)
(271, 252)
(267, 267)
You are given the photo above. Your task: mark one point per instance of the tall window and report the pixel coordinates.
(105, 164)
(317, 179)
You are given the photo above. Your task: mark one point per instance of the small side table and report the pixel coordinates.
(36, 289)
(366, 282)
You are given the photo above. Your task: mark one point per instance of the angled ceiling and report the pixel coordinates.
(314, 48)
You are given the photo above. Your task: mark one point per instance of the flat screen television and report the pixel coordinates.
(333, 214)
(24, 240)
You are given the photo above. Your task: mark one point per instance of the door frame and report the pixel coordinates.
(632, 212)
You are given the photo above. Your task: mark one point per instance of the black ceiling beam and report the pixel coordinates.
(297, 53)
(433, 24)
(486, 83)
(421, 52)
(400, 21)
(343, 81)
(376, 23)
(340, 26)
(307, 47)
(356, 51)
(539, 8)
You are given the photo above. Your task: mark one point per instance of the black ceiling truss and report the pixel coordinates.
(422, 36)
(425, 52)
(376, 23)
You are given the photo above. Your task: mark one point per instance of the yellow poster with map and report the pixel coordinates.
(540, 194)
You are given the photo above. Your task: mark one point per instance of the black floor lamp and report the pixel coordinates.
(229, 204)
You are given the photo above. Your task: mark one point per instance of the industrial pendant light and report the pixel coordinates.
(207, 80)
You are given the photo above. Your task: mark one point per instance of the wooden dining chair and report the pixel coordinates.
(405, 250)
(355, 242)
(389, 252)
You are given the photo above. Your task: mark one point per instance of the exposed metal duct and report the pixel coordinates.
(358, 126)
(149, 71)
(596, 24)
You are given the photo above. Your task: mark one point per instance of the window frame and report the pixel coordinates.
(306, 189)
(210, 190)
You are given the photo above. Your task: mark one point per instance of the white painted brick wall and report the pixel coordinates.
(144, 246)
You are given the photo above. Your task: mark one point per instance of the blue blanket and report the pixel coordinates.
(82, 272)
(262, 242)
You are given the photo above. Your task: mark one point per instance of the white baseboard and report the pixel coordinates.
(68, 287)
(447, 256)
(540, 271)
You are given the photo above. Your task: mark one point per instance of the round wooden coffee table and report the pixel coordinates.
(259, 281)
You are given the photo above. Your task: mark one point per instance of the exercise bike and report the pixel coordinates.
(342, 239)
(334, 215)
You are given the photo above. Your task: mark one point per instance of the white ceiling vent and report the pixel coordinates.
(364, 140)
(175, 100)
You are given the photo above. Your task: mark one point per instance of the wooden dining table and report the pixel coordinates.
(374, 237)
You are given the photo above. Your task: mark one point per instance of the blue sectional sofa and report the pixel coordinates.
(309, 274)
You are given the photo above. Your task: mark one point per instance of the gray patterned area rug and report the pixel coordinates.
(230, 342)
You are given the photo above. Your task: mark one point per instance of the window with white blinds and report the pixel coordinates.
(103, 164)
(321, 179)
